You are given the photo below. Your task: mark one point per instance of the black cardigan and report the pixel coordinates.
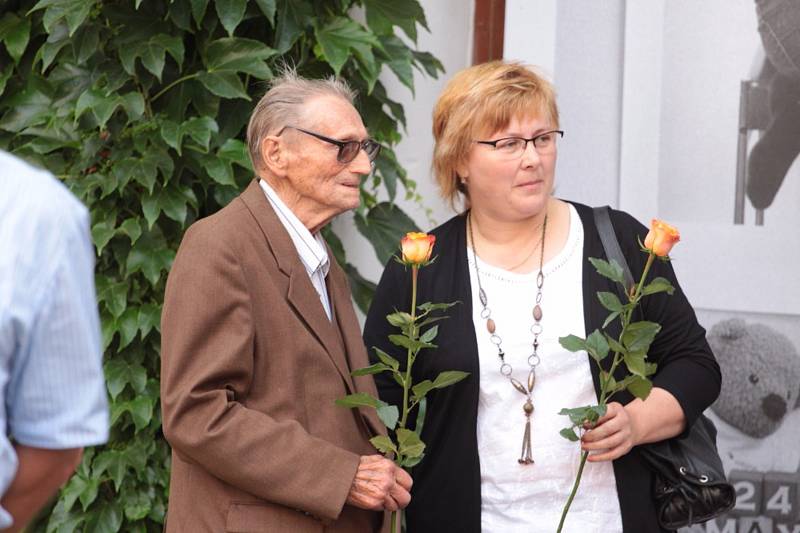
(446, 494)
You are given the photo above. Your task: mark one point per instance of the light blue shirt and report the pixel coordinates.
(51, 374)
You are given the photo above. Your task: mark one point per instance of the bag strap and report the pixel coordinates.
(602, 218)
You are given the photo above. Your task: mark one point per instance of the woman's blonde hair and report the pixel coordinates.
(481, 100)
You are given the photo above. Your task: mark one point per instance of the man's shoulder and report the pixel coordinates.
(35, 194)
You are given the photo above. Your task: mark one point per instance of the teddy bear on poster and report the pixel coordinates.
(757, 413)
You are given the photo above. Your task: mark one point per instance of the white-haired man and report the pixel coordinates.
(259, 338)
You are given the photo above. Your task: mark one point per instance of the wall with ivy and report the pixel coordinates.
(139, 107)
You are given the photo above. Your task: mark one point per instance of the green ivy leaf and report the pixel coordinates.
(114, 462)
(102, 232)
(236, 54)
(384, 226)
(141, 409)
(338, 37)
(15, 33)
(382, 15)
(224, 84)
(268, 7)
(293, 18)
(74, 12)
(400, 59)
(107, 520)
(230, 13)
(198, 10)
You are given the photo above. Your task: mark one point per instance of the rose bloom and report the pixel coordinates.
(417, 247)
(661, 237)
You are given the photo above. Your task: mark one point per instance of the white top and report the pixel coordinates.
(530, 498)
(311, 248)
(52, 390)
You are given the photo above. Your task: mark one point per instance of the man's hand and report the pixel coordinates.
(379, 484)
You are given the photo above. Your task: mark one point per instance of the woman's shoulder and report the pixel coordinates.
(622, 221)
(450, 229)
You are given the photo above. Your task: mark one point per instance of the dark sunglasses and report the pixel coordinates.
(348, 150)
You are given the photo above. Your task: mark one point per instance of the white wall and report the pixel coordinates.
(450, 40)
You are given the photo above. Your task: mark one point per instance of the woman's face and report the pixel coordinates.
(506, 187)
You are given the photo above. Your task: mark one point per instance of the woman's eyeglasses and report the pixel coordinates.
(348, 150)
(513, 147)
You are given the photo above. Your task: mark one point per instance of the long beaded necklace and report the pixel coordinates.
(526, 456)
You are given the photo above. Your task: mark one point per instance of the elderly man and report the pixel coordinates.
(259, 338)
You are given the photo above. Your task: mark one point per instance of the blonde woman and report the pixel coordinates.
(516, 259)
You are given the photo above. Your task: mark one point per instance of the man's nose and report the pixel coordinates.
(361, 164)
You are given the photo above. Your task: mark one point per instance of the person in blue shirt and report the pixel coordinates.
(52, 392)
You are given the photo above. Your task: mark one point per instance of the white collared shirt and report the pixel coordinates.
(310, 248)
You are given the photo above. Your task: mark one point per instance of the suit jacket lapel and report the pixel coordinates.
(353, 343)
(301, 294)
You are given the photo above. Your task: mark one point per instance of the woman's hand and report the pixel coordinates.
(615, 433)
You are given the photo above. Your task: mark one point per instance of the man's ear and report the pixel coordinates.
(274, 155)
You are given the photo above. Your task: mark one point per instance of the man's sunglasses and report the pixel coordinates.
(348, 150)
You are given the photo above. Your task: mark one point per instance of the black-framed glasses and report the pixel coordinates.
(348, 150)
(513, 147)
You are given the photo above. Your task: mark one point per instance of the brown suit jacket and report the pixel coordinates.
(250, 369)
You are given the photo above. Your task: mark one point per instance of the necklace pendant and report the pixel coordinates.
(537, 312)
(526, 457)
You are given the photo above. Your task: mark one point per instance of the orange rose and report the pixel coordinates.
(661, 238)
(417, 248)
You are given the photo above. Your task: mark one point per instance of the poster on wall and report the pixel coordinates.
(711, 142)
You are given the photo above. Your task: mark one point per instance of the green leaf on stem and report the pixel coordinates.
(386, 359)
(422, 388)
(383, 444)
(388, 414)
(639, 335)
(610, 318)
(607, 381)
(597, 346)
(427, 307)
(650, 368)
(422, 410)
(408, 462)
(610, 270)
(581, 415)
(635, 361)
(410, 344)
(360, 399)
(658, 285)
(569, 434)
(409, 444)
(572, 343)
(448, 377)
(369, 370)
(399, 319)
(640, 387)
(610, 301)
(429, 335)
(614, 345)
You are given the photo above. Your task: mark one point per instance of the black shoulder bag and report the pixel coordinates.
(690, 485)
